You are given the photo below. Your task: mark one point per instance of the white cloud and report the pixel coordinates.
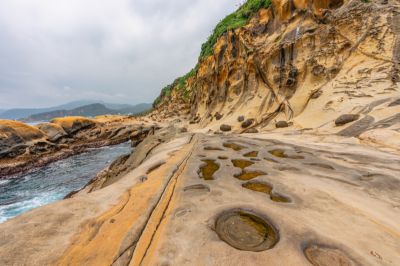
(120, 50)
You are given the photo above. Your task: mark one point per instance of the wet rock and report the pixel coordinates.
(247, 123)
(346, 118)
(281, 124)
(225, 128)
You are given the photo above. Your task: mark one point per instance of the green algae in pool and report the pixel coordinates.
(258, 186)
(233, 146)
(278, 153)
(245, 230)
(251, 154)
(267, 189)
(208, 170)
(245, 175)
(242, 164)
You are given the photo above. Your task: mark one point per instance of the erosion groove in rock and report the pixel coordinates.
(246, 230)
(158, 215)
(198, 187)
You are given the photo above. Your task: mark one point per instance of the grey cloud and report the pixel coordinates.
(119, 51)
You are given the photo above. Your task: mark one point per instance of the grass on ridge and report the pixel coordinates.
(233, 21)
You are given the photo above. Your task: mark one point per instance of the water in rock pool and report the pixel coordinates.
(54, 181)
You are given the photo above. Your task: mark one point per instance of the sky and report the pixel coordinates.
(118, 51)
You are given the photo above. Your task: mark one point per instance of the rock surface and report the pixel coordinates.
(340, 200)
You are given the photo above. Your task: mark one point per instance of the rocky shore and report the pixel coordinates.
(282, 147)
(24, 148)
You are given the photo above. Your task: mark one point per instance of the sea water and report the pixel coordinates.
(54, 181)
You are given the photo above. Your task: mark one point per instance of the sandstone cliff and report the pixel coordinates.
(292, 61)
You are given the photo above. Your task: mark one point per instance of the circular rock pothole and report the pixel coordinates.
(245, 230)
(324, 256)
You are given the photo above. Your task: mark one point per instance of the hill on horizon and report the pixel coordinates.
(90, 110)
(22, 113)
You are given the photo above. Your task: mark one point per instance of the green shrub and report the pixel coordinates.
(233, 21)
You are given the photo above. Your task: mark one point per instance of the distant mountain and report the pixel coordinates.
(20, 113)
(135, 109)
(88, 110)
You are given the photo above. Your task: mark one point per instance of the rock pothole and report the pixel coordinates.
(242, 164)
(267, 189)
(208, 170)
(233, 146)
(324, 256)
(278, 153)
(251, 154)
(248, 175)
(245, 230)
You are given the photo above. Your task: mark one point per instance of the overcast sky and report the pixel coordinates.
(122, 51)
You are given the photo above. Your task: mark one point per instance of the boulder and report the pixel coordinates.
(281, 124)
(225, 128)
(346, 118)
(247, 123)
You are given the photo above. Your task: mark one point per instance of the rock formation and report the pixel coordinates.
(24, 147)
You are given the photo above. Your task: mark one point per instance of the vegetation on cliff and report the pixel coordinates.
(237, 19)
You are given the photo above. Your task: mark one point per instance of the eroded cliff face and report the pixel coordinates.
(293, 60)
